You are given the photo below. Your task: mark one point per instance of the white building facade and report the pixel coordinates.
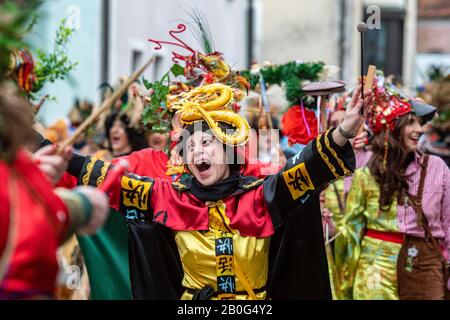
(112, 37)
(111, 40)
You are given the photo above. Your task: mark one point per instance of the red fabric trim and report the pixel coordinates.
(67, 181)
(147, 162)
(247, 211)
(394, 237)
(42, 221)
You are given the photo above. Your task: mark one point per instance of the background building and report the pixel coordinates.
(325, 30)
(85, 48)
(433, 36)
(111, 40)
(112, 37)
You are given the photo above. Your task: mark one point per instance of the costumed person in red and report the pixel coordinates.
(221, 234)
(35, 220)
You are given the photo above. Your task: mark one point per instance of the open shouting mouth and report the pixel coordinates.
(203, 167)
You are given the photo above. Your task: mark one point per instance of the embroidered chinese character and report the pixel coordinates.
(298, 181)
(226, 284)
(225, 264)
(135, 193)
(224, 246)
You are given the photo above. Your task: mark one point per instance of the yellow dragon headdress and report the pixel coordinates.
(212, 103)
(212, 89)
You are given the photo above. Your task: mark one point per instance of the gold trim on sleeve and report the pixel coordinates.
(103, 171)
(89, 168)
(333, 152)
(252, 184)
(325, 158)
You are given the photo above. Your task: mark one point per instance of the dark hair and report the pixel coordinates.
(203, 126)
(136, 137)
(392, 178)
(16, 121)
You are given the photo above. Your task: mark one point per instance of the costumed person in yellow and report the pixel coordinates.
(229, 229)
(385, 250)
(215, 233)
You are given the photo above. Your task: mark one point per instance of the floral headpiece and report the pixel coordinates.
(389, 105)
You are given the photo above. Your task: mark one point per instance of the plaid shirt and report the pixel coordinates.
(435, 201)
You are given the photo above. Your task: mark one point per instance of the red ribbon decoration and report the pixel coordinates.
(179, 43)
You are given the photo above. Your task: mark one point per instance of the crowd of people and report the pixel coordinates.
(335, 195)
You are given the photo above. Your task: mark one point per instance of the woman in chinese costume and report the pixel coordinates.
(384, 251)
(216, 234)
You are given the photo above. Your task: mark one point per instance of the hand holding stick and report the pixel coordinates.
(368, 86)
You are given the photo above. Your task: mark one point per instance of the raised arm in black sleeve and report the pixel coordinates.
(320, 162)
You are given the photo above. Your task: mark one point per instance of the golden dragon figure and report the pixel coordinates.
(211, 103)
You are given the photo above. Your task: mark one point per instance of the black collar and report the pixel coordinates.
(232, 187)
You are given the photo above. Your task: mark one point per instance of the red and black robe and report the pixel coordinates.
(284, 206)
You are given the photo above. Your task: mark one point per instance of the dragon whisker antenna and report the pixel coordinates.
(178, 43)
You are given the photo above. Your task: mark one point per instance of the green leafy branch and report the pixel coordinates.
(55, 65)
(155, 113)
(439, 72)
(290, 75)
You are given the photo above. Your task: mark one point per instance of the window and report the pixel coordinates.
(136, 60)
(384, 47)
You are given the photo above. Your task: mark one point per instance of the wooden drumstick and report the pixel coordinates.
(370, 77)
(368, 86)
(106, 105)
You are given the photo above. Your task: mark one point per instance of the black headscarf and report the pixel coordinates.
(219, 190)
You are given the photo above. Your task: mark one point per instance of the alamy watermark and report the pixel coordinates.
(374, 17)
